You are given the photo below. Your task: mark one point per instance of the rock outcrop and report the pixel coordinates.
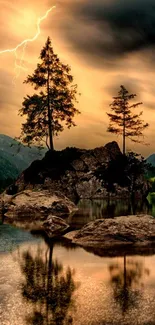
(73, 172)
(31, 209)
(119, 231)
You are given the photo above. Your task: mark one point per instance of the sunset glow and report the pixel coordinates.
(83, 36)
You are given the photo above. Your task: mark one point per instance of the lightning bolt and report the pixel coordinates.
(23, 44)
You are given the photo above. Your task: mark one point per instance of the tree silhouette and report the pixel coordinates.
(123, 281)
(135, 170)
(51, 108)
(126, 171)
(48, 288)
(123, 121)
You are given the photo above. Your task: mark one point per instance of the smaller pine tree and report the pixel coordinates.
(123, 121)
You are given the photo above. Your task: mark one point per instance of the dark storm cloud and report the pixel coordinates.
(128, 82)
(111, 28)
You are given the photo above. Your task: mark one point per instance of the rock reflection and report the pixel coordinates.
(48, 288)
(127, 282)
(90, 210)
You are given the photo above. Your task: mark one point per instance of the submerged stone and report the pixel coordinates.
(55, 226)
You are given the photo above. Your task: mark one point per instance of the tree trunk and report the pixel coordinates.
(123, 141)
(49, 113)
(124, 130)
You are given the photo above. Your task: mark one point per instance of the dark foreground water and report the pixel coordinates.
(43, 283)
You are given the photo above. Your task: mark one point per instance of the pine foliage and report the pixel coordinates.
(123, 121)
(53, 107)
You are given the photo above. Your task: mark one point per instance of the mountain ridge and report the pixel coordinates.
(151, 159)
(15, 157)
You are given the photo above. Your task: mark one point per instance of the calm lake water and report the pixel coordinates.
(45, 283)
(90, 210)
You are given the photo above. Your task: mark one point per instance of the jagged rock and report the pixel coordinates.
(119, 231)
(88, 188)
(70, 171)
(79, 165)
(90, 161)
(55, 226)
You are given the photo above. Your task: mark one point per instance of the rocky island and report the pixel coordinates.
(76, 173)
(44, 196)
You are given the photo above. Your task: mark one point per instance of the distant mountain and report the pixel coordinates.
(15, 157)
(151, 159)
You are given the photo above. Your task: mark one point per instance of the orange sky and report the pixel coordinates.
(98, 78)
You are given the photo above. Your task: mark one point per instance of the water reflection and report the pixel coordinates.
(90, 210)
(37, 287)
(48, 287)
(127, 282)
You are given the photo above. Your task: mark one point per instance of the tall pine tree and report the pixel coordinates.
(123, 121)
(53, 107)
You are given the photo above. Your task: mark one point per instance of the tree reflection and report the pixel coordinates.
(126, 281)
(49, 288)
